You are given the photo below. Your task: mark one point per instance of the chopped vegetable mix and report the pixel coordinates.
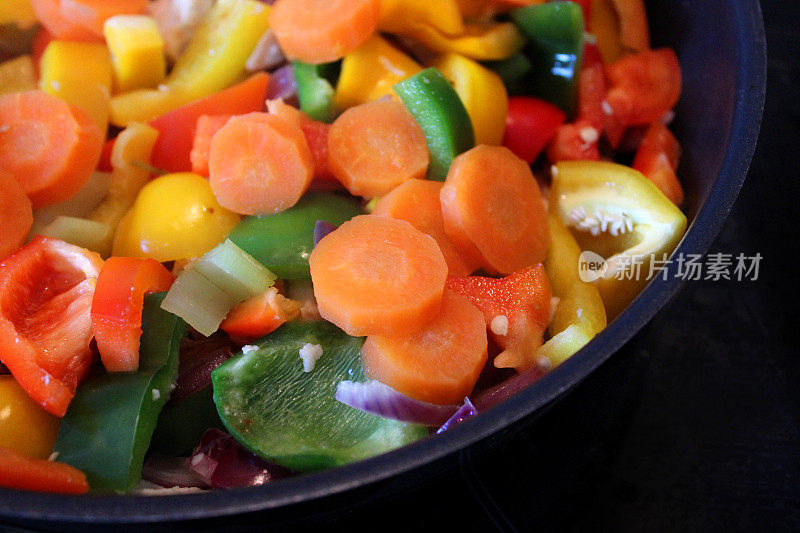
(244, 239)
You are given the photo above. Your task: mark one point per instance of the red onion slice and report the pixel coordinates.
(221, 462)
(167, 471)
(508, 388)
(197, 375)
(282, 84)
(465, 411)
(321, 229)
(381, 400)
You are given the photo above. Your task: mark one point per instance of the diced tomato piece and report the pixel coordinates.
(657, 158)
(530, 124)
(516, 309)
(46, 290)
(117, 308)
(574, 142)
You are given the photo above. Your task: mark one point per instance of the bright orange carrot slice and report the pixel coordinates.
(321, 31)
(374, 147)
(17, 214)
(48, 12)
(493, 209)
(417, 201)
(378, 276)
(20, 472)
(259, 164)
(50, 147)
(438, 364)
(207, 127)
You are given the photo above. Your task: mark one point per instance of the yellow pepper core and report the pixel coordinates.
(175, 216)
(137, 52)
(370, 71)
(25, 427)
(482, 92)
(80, 74)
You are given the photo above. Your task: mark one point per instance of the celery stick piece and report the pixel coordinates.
(234, 271)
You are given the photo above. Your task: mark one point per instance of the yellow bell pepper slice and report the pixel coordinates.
(580, 314)
(25, 427)
(17, 12)
(398, 16)
(370, 71)
(482, 92)
(137, 52)
(623, 217)
(479, 41)
(80, 74)
(214, 59)
(175, 216)
(133, 147)
(17, 75)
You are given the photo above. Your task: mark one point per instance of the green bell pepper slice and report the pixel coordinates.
(314, 91)
(555, 49)
(512, 70)
(182, 424)
(282, 242)
(441, 114)
(622, 216)
(107, 429)
(291, 417)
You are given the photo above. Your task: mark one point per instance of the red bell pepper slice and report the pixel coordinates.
(46, 290)
(516, 309)
(643, 86)
(530, 124)
(117, 308)
(260, 315)
(657, 158)
(18, 471)
(207, 126)
(176, 128)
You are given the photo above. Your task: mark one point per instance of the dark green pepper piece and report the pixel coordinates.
(314, 91)
(291, 417)
(512, 70)
(555, 48)
(182, 423)
(107, 429)
(282, 242)
(441, 114)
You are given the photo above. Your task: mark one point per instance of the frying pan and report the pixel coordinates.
(722, 51)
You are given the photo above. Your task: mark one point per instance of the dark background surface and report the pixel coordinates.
(693, 426)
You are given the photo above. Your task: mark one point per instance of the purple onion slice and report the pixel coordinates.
(321, 229)
(381, 400)
(168, 472)
(465, 411)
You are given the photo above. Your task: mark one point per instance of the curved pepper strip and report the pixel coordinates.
(398, 16)
(481, 91)
(580, 314)
(479, 41)
(107, 429)
(626, 217)
(215, 58)
(370, 71)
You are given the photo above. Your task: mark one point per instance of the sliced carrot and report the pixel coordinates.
(49, 14)
(657, 158)
(207, 126)
(493, 210)
(374, 147)
(316, 134)
(176, 128)
(92, 14)
(17, 214)
(417, 201)
(378, 276)
(259, 164)
(50, 147)
(321, 31)
(438, 364)
(18, 471)
(260, 315)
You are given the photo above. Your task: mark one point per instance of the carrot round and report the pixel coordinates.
(440, 363)
(48, 13)
(374, 147)
(259, 164)
(493, 209)
(17, 214)
(378, 276)
(417, 201)
(321, 31)
(50, 147)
